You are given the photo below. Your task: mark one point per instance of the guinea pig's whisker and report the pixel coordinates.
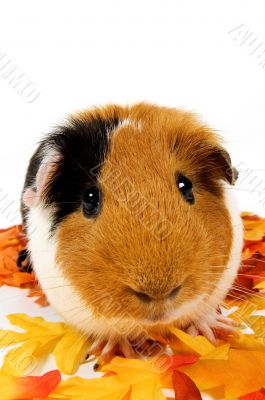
(246, 290)
(252, 294)
(209, 306)
(241, 265)
(252, 276)
(233, 295)
(56, 287)
(248, 295)
(254, 260)
(252, 265)
(213, 273)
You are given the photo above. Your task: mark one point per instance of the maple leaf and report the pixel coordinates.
(42, 338)
(129, 379)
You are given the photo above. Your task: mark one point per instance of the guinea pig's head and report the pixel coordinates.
(139, 210)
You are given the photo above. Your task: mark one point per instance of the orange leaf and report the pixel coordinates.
(244, 371)
(23, 277)
(177, 360)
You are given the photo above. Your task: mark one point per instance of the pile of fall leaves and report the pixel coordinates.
(232, 369)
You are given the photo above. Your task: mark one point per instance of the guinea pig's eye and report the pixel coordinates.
(185, 188)
(91, 201)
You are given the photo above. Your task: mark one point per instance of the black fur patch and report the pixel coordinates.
(83, 145)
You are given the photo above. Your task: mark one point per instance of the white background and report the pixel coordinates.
(174, 53)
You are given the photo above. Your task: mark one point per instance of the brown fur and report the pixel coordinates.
(106, 257)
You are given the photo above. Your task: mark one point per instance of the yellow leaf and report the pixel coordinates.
(24, 321)
(246, 213)
(255, 226)
(36, 325)
(257, 324)
(219, 353)
(260, 285)
(48, 335)
(149, 388)
(253, 234)
(258, 301)
(247, 342)
(71, 351)
(8, 338)
(243, 312)
(109, 388)
(21, 360)
(199, 344)
(143, 376)
(47, 346)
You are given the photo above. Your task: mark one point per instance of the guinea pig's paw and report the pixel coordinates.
(202, 328)
(137, 348)
(226, 323)
(213, 326)
(147, 347)
(107, 349)
(225, 326)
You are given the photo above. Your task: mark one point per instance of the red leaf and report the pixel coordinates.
(184, 387)
(260, 395)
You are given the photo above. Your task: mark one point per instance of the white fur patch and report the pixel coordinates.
(127, 122)
(43, 254)
(233, 264)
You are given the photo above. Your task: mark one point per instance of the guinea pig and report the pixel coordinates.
(132, 224)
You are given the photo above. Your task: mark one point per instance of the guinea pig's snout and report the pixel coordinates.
(147, 298)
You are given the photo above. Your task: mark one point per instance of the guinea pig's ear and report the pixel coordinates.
(34, 194)
(220, 165)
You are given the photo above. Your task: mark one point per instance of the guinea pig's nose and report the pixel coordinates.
(146, 298)
(174, 292)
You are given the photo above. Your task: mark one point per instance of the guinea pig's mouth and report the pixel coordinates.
(160, 318)
(168, 316)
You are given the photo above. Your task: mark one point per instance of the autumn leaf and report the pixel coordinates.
(76, 388)
(42, 338)
(219, 353)
(257, 324)
(29, 387)
(125, 379)
(260, 395)
(199, 344)
(174, 361)
(184, 388)
(142, 376)
(254, 227)
(260, 285)
(247, 342)
(70, 351)
(242, 373)
(12, 241)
